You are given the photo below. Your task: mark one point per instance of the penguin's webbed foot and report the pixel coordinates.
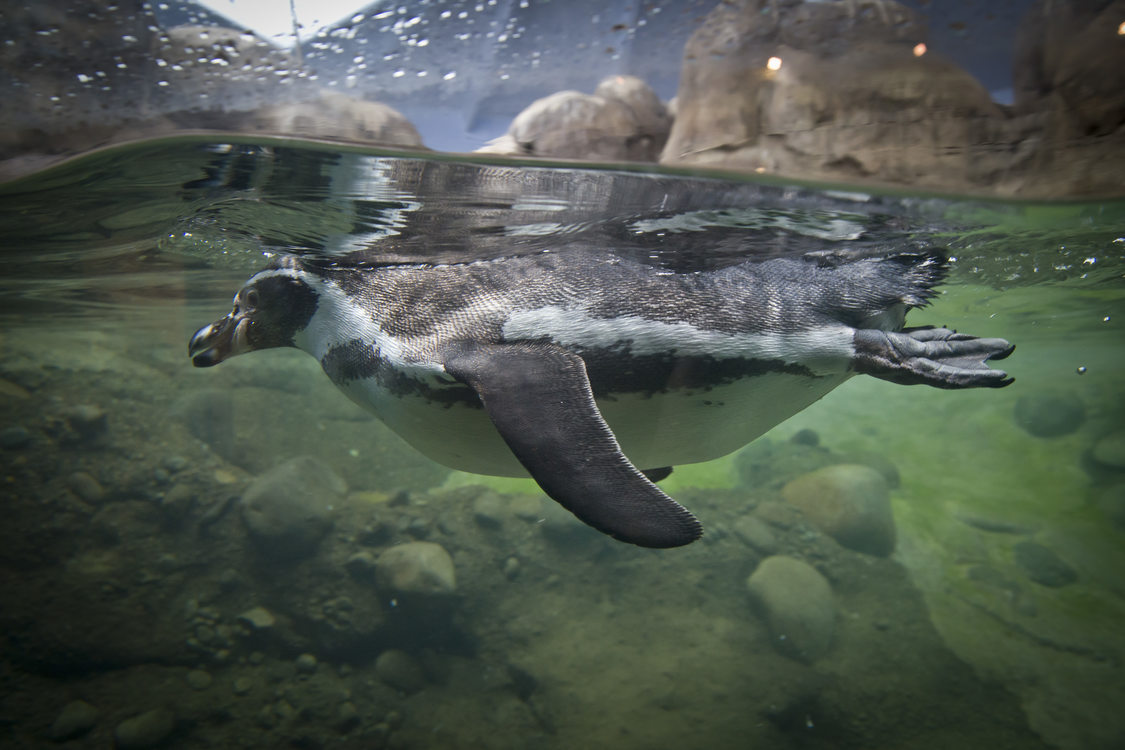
(937, 357)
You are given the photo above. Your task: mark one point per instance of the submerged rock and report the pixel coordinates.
(416, 568)
(756, 533)
(1048, 415)
(291, 507)
(848, 502)
(1042, 565)
(1110, 450)
(796, 602)
(209, 416)
(75, 719)
(14, 438)
(399, 670)
(149, 729)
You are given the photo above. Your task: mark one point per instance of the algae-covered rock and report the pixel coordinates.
(848, 502)
(796, 602)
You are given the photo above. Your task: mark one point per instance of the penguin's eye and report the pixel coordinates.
(252, 298)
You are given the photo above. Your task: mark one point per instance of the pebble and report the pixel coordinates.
(399, 670)
(1042, 565)
(14, 438)
(88, 421)
(347, 717)
(796, 601)
(756, 534)
(305, 664)
(511, 568)
(175, 464)
(149, 729)
(489, 510)
(75, 719)
(242, 685)
(257, 618)
(1049, 414)
(199, 679)
(361, 566)
(86, 487)
(177, 501)
(416, 568)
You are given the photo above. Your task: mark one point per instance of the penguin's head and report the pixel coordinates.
(269, 311)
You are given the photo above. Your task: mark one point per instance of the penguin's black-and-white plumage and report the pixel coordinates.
(578, 367)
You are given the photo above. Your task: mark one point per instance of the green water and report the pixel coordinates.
(127, 566)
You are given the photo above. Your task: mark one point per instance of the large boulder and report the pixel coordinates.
(850, 503)
(1070, 61)
(289, 508)
(796, 602)
(623, 120)
(851, 99)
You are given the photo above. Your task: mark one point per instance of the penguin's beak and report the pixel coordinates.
(221, 340)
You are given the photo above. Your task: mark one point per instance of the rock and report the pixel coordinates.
(347, 717)
(198, 679)
(305, 664)
(1049, 414)
(332, 115)
(149, 729)
(848, 502)
(796, 602)
(75, 719)
(257, 618)
(14, 438)
(361, 566)
(1109, 451)
(526, 507)
(399, 670)
(623, 120)
(86, 487)
(177, 502)
(89, 422)
(209, 416)
(878, 462)
(416, 568)
(850, 101)
(242, 685)
(1042, 565)
(1068, 61)
(756, 533)
(176, 464)
(1111, 501)
(289, 508)
(489, 510)
(805, 437)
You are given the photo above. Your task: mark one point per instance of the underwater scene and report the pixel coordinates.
(530, 374)
(239, 556)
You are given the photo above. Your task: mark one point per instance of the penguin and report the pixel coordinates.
(593, 372)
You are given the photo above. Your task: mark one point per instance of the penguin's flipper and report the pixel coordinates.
(539, 398)
(930, 356)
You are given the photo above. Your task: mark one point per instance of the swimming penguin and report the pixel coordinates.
(581, 368)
